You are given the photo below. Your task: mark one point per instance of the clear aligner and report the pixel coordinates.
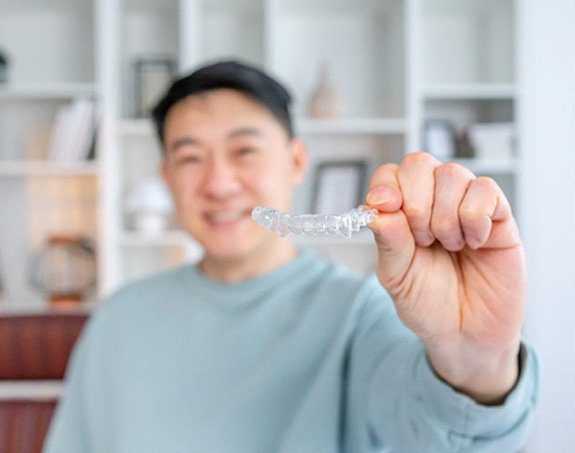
(314, 224)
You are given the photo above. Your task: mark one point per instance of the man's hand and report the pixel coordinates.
(451, 257)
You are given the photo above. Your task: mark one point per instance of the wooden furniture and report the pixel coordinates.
(34, 352)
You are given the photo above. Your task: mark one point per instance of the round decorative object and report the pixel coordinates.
(64, 271)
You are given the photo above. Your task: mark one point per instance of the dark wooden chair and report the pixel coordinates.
(34, 352)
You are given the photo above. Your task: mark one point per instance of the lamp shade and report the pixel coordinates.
(149, 196)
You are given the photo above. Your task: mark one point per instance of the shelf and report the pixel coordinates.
(35, 4)
(471, 91)
(31, 390)
(48, 92)
(473, 7)
(135, 4)
(45, 309)
(337, 6)
(374, 126)
(351, 126)
(489, 166)
(160, 239)
(45, 168)
(237, 6)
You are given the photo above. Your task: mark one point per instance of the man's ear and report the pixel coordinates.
(300, 160)
(165, 173)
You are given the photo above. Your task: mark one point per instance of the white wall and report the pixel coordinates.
(547, 67)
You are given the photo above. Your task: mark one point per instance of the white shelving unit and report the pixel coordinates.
(394, 63)
(51, 49)
(465, 74)
(469, 91)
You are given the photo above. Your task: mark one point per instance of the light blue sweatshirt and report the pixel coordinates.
(307, 358)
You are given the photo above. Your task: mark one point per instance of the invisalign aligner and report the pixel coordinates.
(314, 224)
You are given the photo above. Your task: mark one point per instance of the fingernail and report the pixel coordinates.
(453, 245)
(473, 242)
(424, 239)
(379, 195)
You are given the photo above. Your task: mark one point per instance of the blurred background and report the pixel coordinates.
(488, 83)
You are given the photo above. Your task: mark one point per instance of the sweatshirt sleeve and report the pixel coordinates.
(397, 403)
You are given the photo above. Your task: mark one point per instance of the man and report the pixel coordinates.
(263, 347)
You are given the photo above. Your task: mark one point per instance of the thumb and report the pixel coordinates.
(393, 237)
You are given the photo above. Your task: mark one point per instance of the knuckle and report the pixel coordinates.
(485, 182)
(420, 158)
(415, 212)
(444, 226)
(469, 214)
(382, 171)
(451, 170)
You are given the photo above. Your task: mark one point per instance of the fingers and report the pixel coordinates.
(486, 217)
(385, 193)
(417, 181)
(451, 184)
(391, 230)
(440, 202)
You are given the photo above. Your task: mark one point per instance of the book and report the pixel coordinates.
(493, 140)
(73, 132)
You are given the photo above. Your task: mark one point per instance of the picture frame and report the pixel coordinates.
(338, 186)
(4, 63)
(153, 76)
(440, 138)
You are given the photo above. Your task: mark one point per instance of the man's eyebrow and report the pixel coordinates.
(191, 141)
(184, 141)
(242, 131)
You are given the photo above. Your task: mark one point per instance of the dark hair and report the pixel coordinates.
(228, 74)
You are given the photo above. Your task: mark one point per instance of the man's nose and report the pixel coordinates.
(221, 178)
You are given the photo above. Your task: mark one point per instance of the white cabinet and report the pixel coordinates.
(395, 65)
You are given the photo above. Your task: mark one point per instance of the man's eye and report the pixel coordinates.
(189, 160)
(245, 151)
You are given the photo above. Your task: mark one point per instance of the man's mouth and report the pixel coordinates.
(225, 218)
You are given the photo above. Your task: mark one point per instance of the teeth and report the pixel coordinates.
(225, 216)
(313, 224)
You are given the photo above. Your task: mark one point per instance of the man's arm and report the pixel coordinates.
(396, 401)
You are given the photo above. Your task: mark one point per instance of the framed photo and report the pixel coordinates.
(153, 76)
(439, 139)
(338, 186)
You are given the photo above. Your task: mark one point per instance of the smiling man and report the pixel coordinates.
(263, 347)
(225, 153)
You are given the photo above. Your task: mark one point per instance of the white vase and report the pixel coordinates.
(324, 101)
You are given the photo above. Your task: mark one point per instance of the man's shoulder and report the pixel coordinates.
(140, 292)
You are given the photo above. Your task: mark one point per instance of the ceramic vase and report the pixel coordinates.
(324, 101)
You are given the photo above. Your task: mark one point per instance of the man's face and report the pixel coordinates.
(226, 154)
